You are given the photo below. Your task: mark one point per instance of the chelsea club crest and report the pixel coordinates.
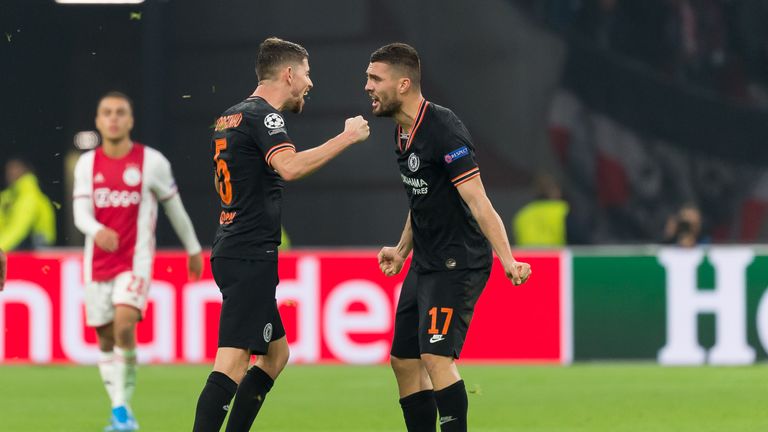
(413, 162)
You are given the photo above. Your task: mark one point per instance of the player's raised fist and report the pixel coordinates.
(107, 239)
(390, 262)
(357, 128)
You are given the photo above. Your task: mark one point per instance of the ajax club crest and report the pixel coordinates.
(132, 176)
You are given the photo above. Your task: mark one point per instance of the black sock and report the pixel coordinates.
(250, 396)
(420, 411)
(213, 404)
(452, 403)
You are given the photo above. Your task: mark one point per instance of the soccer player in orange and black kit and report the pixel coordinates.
(449, 227)
(253, 156)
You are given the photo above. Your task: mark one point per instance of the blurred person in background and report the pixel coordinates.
(684, 228)
(116, 191)
(27, 217)
(543, 221)
(285, 241)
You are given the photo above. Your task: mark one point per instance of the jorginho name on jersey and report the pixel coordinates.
(246, 138)
(435, 158)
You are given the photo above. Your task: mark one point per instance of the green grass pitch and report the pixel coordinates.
(583, 398)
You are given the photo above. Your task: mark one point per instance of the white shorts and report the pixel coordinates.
(101, 297)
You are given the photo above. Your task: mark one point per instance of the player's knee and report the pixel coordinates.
(106, 344)
(279, 361)
(274, 363)
(106, 336)
(435, 363)
(232, 363)
(401, 366)
(124, 335)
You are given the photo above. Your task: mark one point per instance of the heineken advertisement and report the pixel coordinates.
(678, 306)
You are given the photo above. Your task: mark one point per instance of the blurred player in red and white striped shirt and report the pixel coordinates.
(117, 188)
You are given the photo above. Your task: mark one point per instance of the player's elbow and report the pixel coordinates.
(290, 174)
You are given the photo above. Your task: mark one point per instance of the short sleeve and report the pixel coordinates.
(162, 183)
(270, 134)
(458, 153)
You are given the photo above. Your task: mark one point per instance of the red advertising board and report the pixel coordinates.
(336, 307)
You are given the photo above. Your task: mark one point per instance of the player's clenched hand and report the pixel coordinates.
(195, 266)
(390, 262)
(357, 128)
(518, 272)
(107, 239)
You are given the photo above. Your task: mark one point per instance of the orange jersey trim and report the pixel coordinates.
(419, 118)
(417, 121)
(477, 174)
(278, 149)
(458, 177)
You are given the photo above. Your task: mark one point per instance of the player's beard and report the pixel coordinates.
(297, 104)
(388, 109)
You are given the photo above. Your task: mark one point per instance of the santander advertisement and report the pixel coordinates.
(336, 307)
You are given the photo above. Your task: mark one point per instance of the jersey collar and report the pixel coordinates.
(416, 123)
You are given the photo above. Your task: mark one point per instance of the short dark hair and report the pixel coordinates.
(275, 52)
(400, 55)
(118, 95)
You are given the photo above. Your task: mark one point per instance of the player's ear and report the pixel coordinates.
(289, 74)
(405, 84)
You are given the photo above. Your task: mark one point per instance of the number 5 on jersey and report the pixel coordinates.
(222, 172)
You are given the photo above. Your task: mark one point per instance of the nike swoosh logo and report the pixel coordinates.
(436, 338)
(444, 420)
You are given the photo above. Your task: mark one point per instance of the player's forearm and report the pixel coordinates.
(405, 245)
(84, 219)
(181, 223)
(306, 162)
(493, 228)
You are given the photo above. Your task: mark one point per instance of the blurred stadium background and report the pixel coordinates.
(648, 119)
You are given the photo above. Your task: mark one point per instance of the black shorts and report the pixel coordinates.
(249, 316)
(434, 312)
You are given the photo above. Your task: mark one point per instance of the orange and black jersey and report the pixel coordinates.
(435, 158)
(246, 137)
